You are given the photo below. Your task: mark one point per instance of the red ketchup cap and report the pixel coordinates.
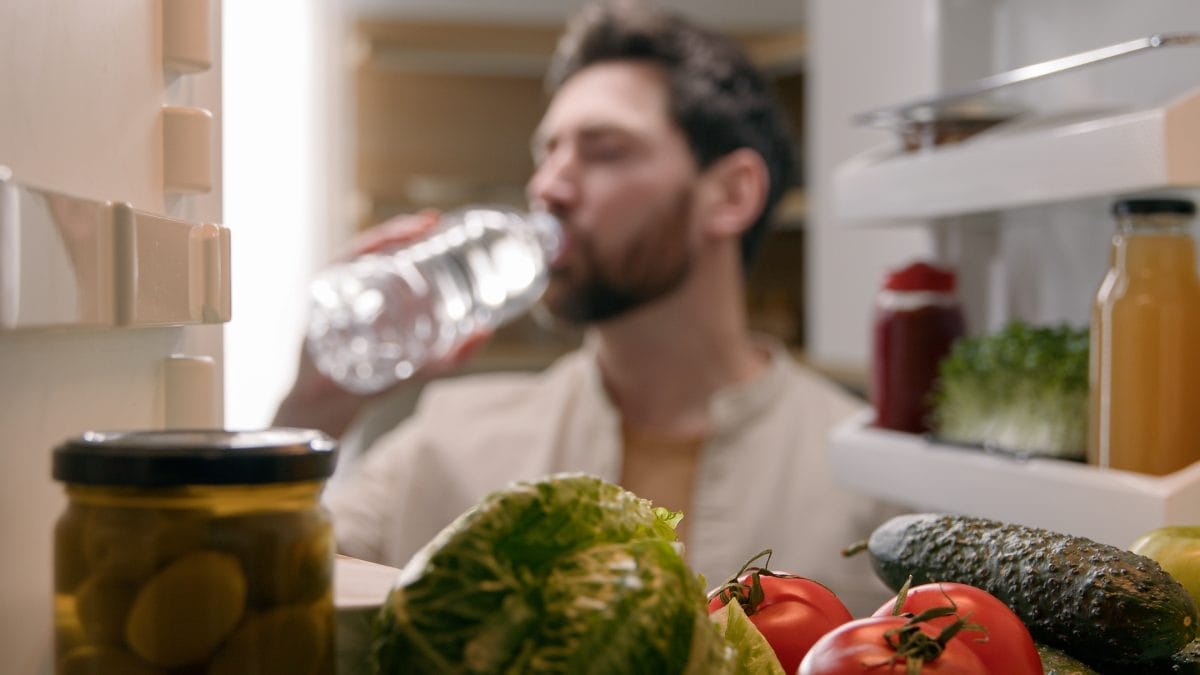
(921, 276)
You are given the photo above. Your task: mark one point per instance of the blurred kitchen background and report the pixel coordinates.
(340, 114)
(359, 110)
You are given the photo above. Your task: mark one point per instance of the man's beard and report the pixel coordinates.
(654, 266)
(603, 299)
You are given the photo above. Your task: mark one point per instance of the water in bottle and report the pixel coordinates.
(377, 319)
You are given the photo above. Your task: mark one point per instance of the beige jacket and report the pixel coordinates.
(763, 479)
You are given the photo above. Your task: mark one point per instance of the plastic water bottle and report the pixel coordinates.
(377, 319)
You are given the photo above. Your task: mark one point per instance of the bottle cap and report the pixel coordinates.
(921, 276)
(1125, 207)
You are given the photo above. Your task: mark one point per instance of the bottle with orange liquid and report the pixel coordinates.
(1145, 343)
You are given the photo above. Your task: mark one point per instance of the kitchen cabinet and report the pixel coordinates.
(965, 193)
(443, 110)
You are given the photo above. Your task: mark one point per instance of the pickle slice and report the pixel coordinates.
(287, 556)
(288, 640)
(133, 543)
(181, 615)
(104, 660)
(103, 603)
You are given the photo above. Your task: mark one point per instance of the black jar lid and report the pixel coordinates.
(1124, 207)
(195, 457)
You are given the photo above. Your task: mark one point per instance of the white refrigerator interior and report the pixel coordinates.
(114, 278)
(1041, 186)
(1020, 208)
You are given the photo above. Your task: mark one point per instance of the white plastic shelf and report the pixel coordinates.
(1109, 506)
(72, 262)
(1026, 162)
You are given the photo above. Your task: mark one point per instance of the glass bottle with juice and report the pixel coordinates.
(1145, 352)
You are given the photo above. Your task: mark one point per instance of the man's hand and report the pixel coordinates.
(393, 232)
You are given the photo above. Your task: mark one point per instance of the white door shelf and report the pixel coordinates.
(1110, 506)
(1029, 161)
(72, 262)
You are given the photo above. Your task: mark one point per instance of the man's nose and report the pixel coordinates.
(553, 185)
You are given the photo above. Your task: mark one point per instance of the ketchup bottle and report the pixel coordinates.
(917, 319)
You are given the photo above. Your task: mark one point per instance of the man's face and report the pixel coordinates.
(618, 172)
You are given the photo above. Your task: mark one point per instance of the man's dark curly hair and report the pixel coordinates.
(717, 96)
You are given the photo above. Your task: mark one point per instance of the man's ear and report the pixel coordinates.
(735, 192)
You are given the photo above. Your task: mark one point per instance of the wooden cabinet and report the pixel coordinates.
(443, 113)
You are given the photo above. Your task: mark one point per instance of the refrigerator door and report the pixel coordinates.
(116, 107)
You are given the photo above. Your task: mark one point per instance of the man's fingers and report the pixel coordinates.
(467, 350)
(393, 232)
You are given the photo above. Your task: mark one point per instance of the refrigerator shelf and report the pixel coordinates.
(946, 103)
(1109, 506)
(1031, 161)
(71, 262)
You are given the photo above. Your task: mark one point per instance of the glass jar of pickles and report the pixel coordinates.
(194, 552)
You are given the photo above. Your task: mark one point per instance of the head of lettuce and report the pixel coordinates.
(569, 574)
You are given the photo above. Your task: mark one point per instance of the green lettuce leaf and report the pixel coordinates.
(546, 576)
(619, 608)
(754, 654)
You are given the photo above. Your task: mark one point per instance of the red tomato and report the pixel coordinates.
(861, 647)
(1008, 648)
(792, 612)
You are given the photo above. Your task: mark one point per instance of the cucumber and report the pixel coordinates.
(1187, 660)
(1184, 662)
(1055, 662)
(1093, 601)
